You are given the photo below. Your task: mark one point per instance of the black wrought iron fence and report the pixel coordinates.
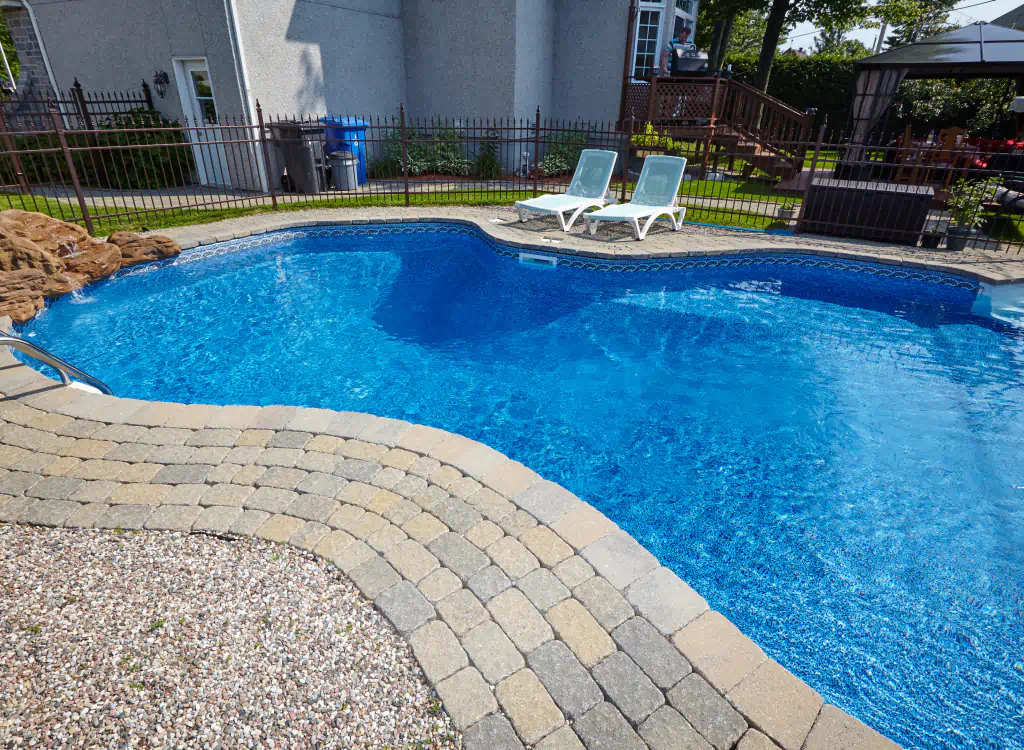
(133, 171)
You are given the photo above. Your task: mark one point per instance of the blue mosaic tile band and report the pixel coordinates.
(745, 259)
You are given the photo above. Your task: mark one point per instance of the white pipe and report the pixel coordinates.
(242, 74)
(42, 47)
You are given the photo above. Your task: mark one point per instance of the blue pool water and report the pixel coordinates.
(834, 459)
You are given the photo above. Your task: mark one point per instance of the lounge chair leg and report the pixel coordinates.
(637, 232)
(561, 221)
(572, 219)
(522, 218)
(677, 218)
(592, 224)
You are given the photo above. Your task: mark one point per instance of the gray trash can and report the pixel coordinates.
(296, 148)
(344, 170)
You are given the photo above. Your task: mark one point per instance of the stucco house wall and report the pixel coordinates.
(589, 42)
(534, 58)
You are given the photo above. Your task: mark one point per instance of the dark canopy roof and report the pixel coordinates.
(981, 50)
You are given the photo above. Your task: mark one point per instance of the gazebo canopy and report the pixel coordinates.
(981, 50)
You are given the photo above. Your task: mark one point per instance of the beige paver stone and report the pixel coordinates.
(411, 559)
(357, 493)
(563, 739)
(49, 421)
(89, 448)
(364, 451)
(222, 473)
(316, 461)
(333, 545)
(484, 534)
(546, 545)
(328, 444)
(367, 525)
(606, 604)
(217, 518)
(353, 556)
(778, 703)
(86, 516)
(583, 526)
(190, 416)
(520, 620)
(227, 494)
(65, 466)
(466, 697)
(311, 420)
(492, 652)
(35, 463)
(11, 455)
(517, 523)
(462, 611)
(98, 469)
(186, 494)
(421, 439)
(383, 501)
(386, 538)
(211, 455)
(755, 740)
(233, 417)
(165, 436)
(132, 453)
(510, 478)
(279, 528)
(464, 487)
(529, 707)
(285, 457)
(424, 528)
(174, 518)
(512, 557)
(258, 438)
(581, 632)
(139, 473)
(309, 535)
(835, 728)
(346, 517)
(439, 584)
(718, 650)
(387, 478)
(248, 475)
(423, 466)
(438, 651)
(140, 494)
(94, 492)
(444, 476)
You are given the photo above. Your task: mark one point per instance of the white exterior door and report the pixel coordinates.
(196, 91)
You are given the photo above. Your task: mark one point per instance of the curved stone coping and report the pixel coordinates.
(538, 621)
(980, 268)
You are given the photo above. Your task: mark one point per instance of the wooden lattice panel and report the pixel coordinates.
(685, 100)
(636, 100)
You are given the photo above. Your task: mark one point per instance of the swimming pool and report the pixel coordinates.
(829, 452)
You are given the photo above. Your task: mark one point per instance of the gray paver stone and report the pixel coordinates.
(49, 512)
(708, 712)
(440, 584)
(667, 730)
(309, 535)
(568, 682)
(124, 517)
(17, 482)
(289, 439)
(183, 474)
(488, 583)
(405, 607)
(543, 589)
(628, 687)
(604, 728)
(605, 603)
(55, 488)
(227, 494)
(313, 507)
(666, 601)
(652, 652)
(573, 572)
(85, 517)
(458, 555)
(528, 705)
(284, 457)
(492, 652)
(217, 518)
(511, 556)
(456, 514)
(357, 470)
(319, 483)
(547, 501)
(466, 697)
(462, 611)
(374, 576)
(520, 620)
(174, 517)
(517, 523)
(271, 499)
(412, 560)
(491, 733)
(438, 651)
(619, 558)
(318, 461)
(94, 492)
(561, 739)
(186, 494)
(281, 477)
(213, 437)
(247, 523)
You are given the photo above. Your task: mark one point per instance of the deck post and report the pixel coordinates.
(652, 97)
(625, 159)
(266, 153)
(405, 152)
(810, 177)
(59, 129)
(626, 59)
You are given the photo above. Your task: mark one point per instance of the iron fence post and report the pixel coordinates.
(59, 129)
(536, 152)
(625, 159)
(12, 149)
(148, 94)
(810, 177)
(405, 152)
(266, 154)
(81, 105)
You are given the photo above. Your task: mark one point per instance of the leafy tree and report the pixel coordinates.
(833, 41)
(723, 25)
(914, 20)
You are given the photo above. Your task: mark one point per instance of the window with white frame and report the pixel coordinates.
(645, 55)
(686, 6)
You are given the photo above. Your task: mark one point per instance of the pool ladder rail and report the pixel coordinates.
(66, 370)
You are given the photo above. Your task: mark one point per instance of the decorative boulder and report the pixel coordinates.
(22, 293)
(136, 249)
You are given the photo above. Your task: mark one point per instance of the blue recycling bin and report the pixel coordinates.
(346, 134)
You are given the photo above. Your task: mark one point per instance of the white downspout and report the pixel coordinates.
(42, 47)
(242, 74)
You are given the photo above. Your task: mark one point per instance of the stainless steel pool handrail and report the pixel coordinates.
(58, 364)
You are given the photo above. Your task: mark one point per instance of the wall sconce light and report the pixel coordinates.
(160, 81)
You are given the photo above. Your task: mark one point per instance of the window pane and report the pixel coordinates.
(646, 42)
(209, 110)
(201, 82)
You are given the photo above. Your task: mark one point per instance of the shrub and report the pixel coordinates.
(439, 153)
(650, 138)
(965, 202)
(488, 165)
(563, 153)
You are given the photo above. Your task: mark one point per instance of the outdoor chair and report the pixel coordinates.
(588, 189)
(657, 193)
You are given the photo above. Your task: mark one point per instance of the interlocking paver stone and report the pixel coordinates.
(273, 418)
(492, 652)
(223, 472)
(665, 600)
(604, 728)
(543, 589)
(309, 535)
(171, 454)
(289, 439)
(281, 478)
(140, 494)
(619, 558)
(357, 470)
(217, 518)
(580, 631)
(444, 476)
(573, 572)
(248, 475)
(94, 492)
(16, 482)
(778, 704)
(754, 740)
(313, 507)
(374, 576)
(279, 528)
(628, 687)
(405, 607)
(186, 494)
(409, 486)
(458, 555)
(325, 463)
(520, 620)
(491, 733)
(49, 512)
(560, 739)
(319, 483)
(386, 538)
(244, 455)
(511, 556)
(438, 651)
(402, 511)
(129, 452)
(124, 517)
(285, 457)
(568, 682)
(708, 712)
(387, 477)
(466, 697)
(85, 516)
(247, 523)
(606, 604)
(547, 501)
(484, 534)
(439, 584)
(220, 438)
(528, 705)
(55, 488)
(492, 505)
(139, 473)
(652, 652)
(546, 545)
(517, 523)
(430, 498)
(456, 514)
(174, 517)
(226, 494)
(667, 730)
(837, 729)
(311, 420)
(362, 450)
(718, 650)
(583, 526)
(182, 474)
(412, 560)
(271, 499)
(488, 583)
(462, 611)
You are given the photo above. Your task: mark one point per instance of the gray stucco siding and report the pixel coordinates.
(589, 43)
(535, 27)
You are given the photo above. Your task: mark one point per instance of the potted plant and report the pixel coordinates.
(930, 238)
(966, 210)
(787, 211)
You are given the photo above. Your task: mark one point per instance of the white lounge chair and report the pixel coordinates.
(588, 189)
(657, 193)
